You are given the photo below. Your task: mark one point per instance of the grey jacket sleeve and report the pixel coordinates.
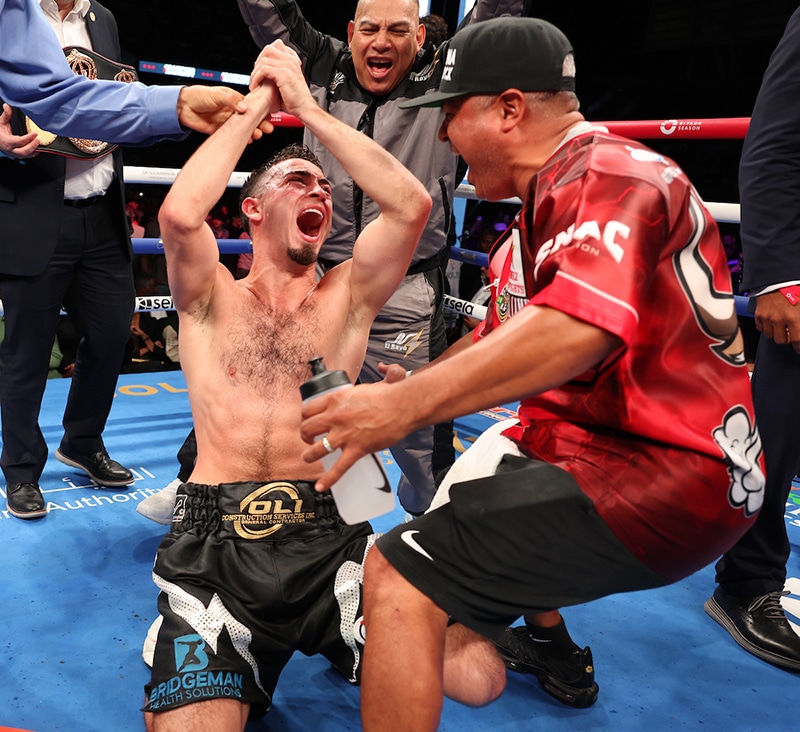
(270, 20)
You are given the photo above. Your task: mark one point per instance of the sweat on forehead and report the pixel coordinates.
(295, 151)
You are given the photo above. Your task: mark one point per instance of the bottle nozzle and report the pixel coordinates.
(322, 380)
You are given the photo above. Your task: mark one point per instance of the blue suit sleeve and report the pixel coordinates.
(35, 78)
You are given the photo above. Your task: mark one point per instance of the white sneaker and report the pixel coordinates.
(160, 506)
(149, 648)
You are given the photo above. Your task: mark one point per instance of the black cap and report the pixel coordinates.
(503, 53)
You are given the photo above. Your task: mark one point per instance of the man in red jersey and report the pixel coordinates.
(635, 460)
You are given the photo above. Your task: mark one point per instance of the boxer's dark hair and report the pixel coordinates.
(251, 185)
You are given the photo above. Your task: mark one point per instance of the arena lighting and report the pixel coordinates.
(192, 72)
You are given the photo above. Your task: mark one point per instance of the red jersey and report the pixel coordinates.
(661, 435)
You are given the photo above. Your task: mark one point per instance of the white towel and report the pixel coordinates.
(479, 461)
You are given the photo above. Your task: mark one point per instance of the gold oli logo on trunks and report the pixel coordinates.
(267, 509)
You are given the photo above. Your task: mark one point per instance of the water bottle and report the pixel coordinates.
(363, 492)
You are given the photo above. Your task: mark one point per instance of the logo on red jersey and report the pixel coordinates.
(503, 305)
(740, 442)
(714, 309)
(582, 234)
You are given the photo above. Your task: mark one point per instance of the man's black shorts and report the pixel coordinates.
(524, 540)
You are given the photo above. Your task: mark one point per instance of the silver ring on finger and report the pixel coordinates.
(327, 445)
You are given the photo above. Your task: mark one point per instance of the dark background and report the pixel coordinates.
(636, 60)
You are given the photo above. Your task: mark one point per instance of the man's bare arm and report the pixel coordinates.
(189, 243)
(536, 350)
(383, 251)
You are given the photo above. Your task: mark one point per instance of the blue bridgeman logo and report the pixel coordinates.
(190, 653)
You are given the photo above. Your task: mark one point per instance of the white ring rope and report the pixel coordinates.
(721, 212)
(728, 213)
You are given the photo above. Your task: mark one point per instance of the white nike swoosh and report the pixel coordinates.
(408, 538)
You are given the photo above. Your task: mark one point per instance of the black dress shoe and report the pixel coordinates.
(100, 468)
(759, 625)
(25, 501)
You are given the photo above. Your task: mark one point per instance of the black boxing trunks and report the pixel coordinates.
(249, 573)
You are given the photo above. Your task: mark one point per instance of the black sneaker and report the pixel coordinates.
(570, 680)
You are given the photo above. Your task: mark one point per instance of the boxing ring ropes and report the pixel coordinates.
(692, 129)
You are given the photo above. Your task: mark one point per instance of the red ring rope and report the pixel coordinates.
(647, 129)
(733, 128)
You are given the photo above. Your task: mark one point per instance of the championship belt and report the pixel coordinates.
(93, 66)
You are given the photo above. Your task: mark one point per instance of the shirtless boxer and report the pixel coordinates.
(257, 564)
